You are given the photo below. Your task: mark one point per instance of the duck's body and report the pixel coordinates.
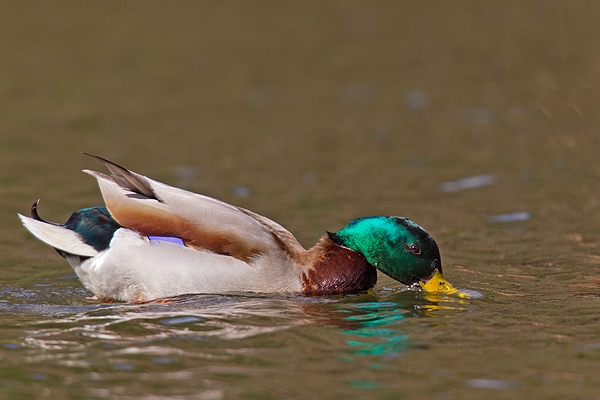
(153, 241)
(137, 269)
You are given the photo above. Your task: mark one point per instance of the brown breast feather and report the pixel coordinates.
(334, 269)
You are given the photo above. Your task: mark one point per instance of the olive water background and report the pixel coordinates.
(312, 113)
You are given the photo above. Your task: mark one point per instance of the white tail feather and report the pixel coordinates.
(58, 237)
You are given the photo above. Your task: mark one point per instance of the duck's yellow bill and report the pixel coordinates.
(438, 284)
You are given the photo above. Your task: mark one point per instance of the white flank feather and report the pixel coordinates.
(58, 237)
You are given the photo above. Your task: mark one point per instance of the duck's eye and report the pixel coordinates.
(414, 249)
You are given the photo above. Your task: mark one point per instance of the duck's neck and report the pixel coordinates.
(332, 269)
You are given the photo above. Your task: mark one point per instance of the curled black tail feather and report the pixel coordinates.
(36, 216)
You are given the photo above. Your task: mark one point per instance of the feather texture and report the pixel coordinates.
(201, 221)
(127, 179)
(58, 237)
(136, 269)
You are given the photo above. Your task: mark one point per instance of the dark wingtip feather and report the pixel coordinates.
(105, 161)
(126, 179)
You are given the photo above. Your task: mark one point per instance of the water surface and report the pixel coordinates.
(478, 120)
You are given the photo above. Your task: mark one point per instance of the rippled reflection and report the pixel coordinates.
(379, 325)
(373, 322)
(65, 337)
(378, 332)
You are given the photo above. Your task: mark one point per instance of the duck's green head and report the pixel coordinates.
(396, 246)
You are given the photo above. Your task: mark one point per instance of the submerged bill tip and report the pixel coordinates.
(438, 284)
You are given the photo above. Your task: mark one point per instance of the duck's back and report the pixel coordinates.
(200, 221)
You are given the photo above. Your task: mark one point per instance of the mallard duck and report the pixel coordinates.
(153, 241)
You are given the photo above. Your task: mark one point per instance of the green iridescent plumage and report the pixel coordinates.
(396, 246)
(95, 225)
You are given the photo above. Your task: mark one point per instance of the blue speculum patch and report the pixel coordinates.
(169, 239)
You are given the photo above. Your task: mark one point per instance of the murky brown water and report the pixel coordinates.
(313, 114)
